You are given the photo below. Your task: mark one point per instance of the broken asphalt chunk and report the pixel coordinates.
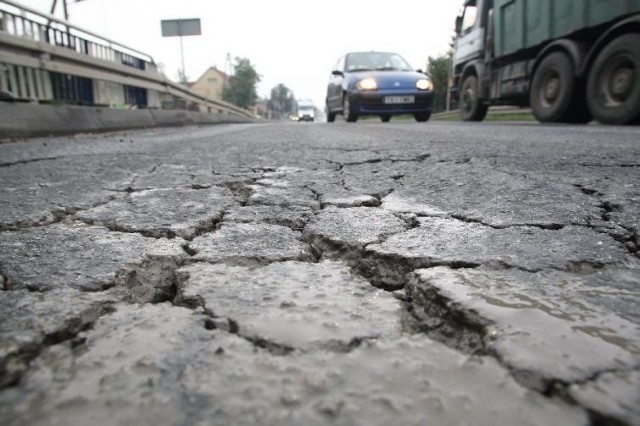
(89, 258)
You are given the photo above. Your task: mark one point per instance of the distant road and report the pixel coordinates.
(312, 273)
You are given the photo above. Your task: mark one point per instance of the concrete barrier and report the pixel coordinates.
(18, 120)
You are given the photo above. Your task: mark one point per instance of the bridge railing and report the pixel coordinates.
(50, 60)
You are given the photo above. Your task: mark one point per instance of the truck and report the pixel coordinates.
(570, 61)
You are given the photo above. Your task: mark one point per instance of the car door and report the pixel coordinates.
(334, 89)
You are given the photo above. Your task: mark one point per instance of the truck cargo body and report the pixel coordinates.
(570, 60)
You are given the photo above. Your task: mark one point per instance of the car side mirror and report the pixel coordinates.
(420, 71)
(337, 73)
(458, 24)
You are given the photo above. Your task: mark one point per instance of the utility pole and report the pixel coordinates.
(64, 9)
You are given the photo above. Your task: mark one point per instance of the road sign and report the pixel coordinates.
(180, 27)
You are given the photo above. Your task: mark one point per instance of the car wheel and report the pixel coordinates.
(422, 117)
(552, 89)
(331, 116)
(347, 110)
(471, 107)
(613, 86)
(385, 118)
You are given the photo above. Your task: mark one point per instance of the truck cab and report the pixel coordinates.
(470, 54)
(470, 32)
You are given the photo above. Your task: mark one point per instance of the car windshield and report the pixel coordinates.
(378, 61)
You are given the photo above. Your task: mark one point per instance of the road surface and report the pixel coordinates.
(313, 273)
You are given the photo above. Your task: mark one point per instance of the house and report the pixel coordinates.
(261, 108)
(210, 84)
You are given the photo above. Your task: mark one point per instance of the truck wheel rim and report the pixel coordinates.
(468, 99)
(617, 83)
(550, 89)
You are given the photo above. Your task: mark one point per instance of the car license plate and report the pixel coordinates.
(399, 99)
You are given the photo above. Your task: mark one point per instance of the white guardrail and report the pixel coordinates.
(49, 60)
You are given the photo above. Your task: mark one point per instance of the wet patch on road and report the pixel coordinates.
(296, 305)
(155, 364)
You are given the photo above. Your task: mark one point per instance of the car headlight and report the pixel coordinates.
(424, 84)
(368, 84)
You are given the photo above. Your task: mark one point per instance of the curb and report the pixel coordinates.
(19, 120)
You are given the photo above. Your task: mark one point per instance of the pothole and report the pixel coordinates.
(151, 281)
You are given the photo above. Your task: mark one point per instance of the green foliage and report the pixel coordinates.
(438, 70)
(240, 89)
(282, 101)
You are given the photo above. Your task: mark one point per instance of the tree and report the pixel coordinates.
(282, 101)
(438, 71)
(240, 89)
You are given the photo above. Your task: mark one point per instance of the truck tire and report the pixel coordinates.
(349, 115)
(552, 89)
(471, 107)
(613, 86)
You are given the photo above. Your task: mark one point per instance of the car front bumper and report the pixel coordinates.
(364, 103)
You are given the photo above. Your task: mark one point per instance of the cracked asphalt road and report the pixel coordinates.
(286, 273)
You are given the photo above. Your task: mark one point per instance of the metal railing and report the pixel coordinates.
(46, 59)
(24, 22)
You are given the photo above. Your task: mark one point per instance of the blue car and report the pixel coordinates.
(377, 83)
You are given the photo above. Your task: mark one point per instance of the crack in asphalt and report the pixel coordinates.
(419, 159)
(609, 207)
(624, 166)
(631, 242)
(341, 165)
(442, 319)
(129, 189)
(60, 215)
(15, 365)
(589, 191)
(229, 325)
(384, 271)
(428, 312)
(203, 227)
(545, 226)
(560, 389)
(22, 162)
(152, 280)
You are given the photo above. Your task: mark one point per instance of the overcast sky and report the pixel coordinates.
(291, 42)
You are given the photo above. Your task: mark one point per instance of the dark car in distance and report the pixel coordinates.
(377, 83)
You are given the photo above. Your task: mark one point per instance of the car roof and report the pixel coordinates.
(371, 51)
